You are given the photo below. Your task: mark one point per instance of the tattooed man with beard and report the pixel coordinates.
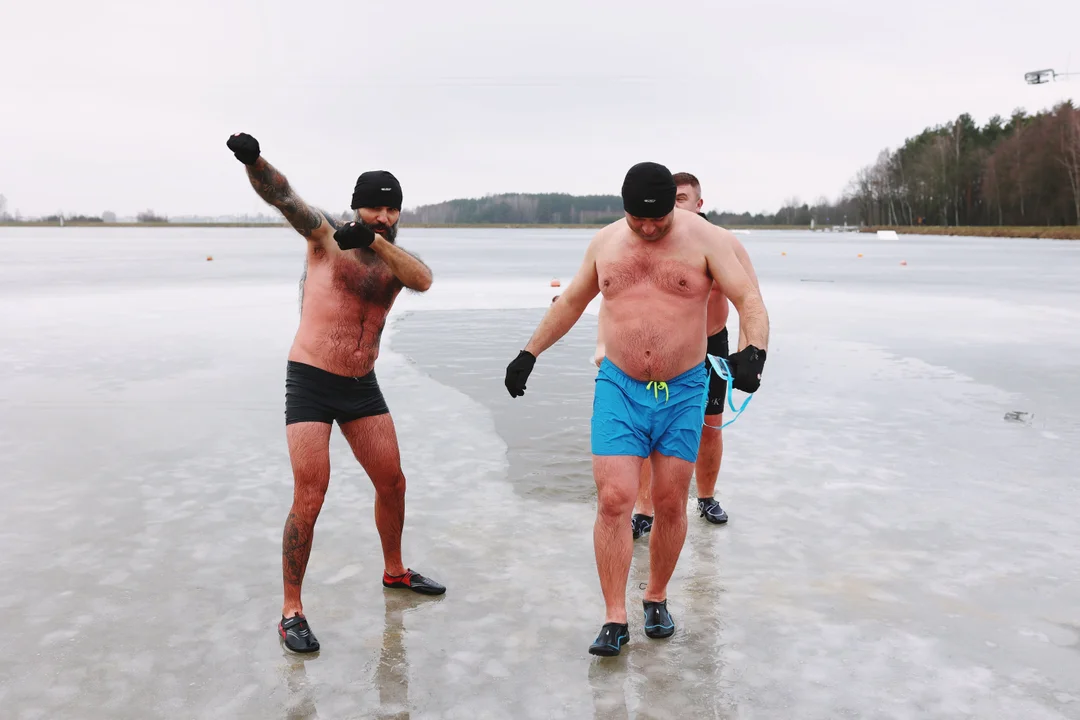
(353, 275)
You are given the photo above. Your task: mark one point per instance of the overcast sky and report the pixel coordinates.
(126, 105)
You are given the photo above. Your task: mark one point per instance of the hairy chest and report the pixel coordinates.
(365, 279)
(676, 275)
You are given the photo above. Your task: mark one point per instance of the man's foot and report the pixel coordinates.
(658, 622)
(711, 511)
(413, 581)
(610, 640)
(297, 634)
(640, 524)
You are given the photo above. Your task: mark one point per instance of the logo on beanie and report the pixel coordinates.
(648, 190)
(377, 188)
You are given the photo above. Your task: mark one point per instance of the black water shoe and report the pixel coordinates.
(297, 634)
(711, 511)
(641, 524)
(610, 640)
(413, 581)
(658, 622)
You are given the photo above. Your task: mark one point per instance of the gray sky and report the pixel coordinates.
(126, 105)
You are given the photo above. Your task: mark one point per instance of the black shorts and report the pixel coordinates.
(315, 395)
(718, 346)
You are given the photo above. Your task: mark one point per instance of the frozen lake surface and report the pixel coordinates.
(897, 547)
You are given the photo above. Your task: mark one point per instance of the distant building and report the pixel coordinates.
(108, 216)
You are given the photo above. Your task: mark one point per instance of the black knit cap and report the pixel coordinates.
(377, 188)
(648, 191)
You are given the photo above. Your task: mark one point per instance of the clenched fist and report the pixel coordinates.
(244, 147)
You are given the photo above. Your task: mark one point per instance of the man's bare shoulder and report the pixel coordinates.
(691, 229)
(609, 235)
(706, 231)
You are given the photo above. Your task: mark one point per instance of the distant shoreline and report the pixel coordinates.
(1068, 232)
(1058, 232)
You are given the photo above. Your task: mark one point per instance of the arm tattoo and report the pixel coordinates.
(274, 189)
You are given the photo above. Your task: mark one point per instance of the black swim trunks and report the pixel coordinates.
(315, 395)
(718, 346)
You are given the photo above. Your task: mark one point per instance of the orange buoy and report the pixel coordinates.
(209, 258)
(860, 254)
(903, 262)
(783, 253)
(555, 283)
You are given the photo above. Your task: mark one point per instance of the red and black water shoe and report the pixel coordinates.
(413, 581)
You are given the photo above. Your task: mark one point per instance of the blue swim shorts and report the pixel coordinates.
(631, 417)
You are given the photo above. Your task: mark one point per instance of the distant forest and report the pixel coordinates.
(563, 209)
(1024, 171)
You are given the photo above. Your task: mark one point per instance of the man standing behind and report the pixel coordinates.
(353, 277)
(655, 268)
(688, 197)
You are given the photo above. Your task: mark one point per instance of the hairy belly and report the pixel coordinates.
(342, 340)
(653, 348)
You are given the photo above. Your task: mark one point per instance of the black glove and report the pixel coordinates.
(746, 366)
(517, 372)
(354, 235)
(244, 147)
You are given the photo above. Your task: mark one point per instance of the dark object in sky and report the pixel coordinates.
(1038, 77)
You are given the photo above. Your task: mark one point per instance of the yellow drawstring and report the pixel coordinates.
(656, 387)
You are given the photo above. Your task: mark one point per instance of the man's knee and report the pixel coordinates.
(308, 498)
(389, 483)
(669, 505)
(615, 499)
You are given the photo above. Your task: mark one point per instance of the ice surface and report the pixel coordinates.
(895, 550)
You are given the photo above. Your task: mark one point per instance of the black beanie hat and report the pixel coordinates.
(377, 188)
(648, 191)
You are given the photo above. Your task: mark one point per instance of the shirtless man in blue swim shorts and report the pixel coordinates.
(655, 268)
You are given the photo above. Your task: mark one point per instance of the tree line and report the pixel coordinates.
(520, 208)
(1023, 171)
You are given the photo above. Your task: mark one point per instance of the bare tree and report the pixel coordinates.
(1070, 152)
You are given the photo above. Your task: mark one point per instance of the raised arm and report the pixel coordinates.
(407, 268)
(559, 318)
(274, 188)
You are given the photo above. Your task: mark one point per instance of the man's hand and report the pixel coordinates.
(746, 366)
(517, 372)
(244, 147)
(354, 235)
